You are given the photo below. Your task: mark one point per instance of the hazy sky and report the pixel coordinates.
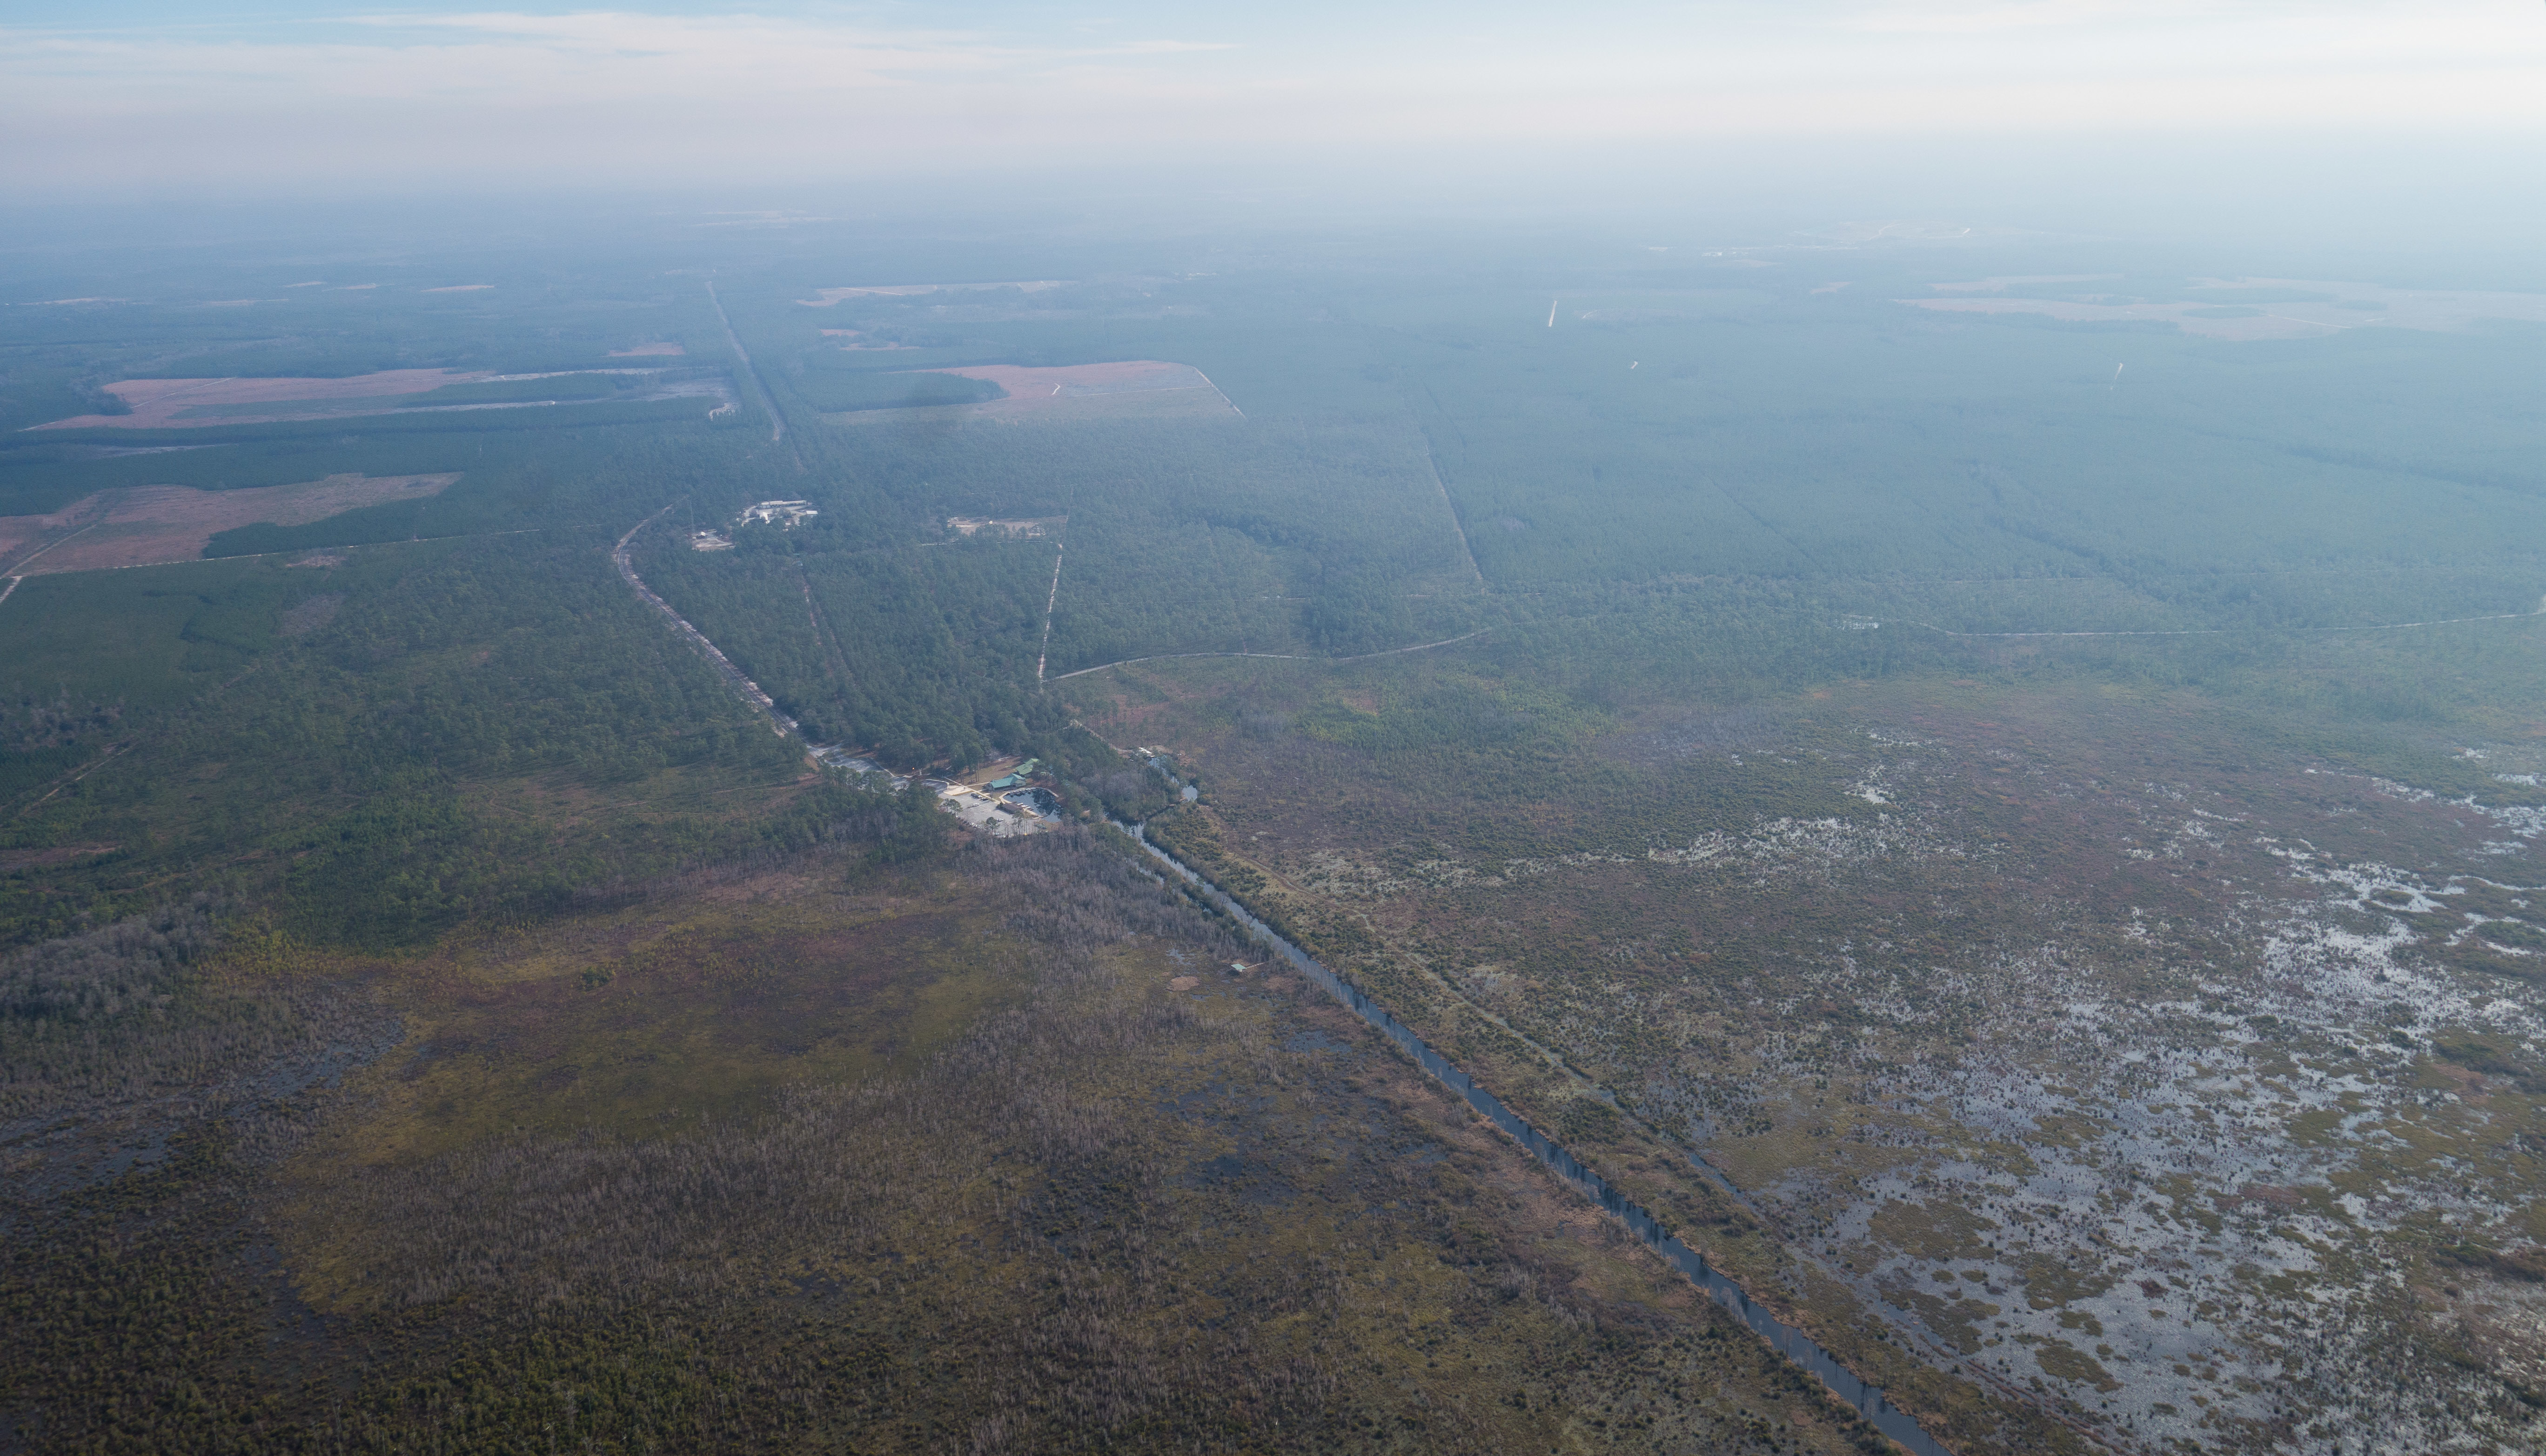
(117, 94)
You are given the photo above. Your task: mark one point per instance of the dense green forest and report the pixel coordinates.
(411, 840)
(204, 722)
(1926, 447)
(913, 651)
(1691, 482)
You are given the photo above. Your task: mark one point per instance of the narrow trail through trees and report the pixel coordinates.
(1281, 656)
(1043, 652)
(1458, 526)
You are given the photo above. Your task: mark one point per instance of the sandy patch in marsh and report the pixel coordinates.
(646, 350)
(159, 404)
(156, 524)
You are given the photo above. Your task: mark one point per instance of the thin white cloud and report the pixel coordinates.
(2037, 15)
(608, 94)
(1163, 47)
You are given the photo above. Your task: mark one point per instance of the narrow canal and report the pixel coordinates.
(1869, 1400)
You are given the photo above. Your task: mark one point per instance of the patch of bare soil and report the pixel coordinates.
(646, 351)
(156, 524)
(1016, 529)
(159, 404)
(2350, 305)
(1134, 388)
(20, 535)
(825, 297)
(310, 615)
(2248, 325)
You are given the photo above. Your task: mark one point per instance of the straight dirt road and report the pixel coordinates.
(751, 372)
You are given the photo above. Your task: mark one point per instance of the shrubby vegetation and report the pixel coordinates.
(1003, 1246)
(489, 745)
(130, 965)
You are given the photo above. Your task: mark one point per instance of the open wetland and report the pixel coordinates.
(2179, 1088)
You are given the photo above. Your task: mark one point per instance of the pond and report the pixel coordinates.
(1041, 801)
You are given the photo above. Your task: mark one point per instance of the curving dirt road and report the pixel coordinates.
(723, 665)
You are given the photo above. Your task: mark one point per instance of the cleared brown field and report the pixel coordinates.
(155, 524)
(2348, 306)
(825, 297)
(159, 404)
(1136, 388)
(2250, 324)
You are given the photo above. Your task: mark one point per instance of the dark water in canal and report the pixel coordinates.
(1869, 1400)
